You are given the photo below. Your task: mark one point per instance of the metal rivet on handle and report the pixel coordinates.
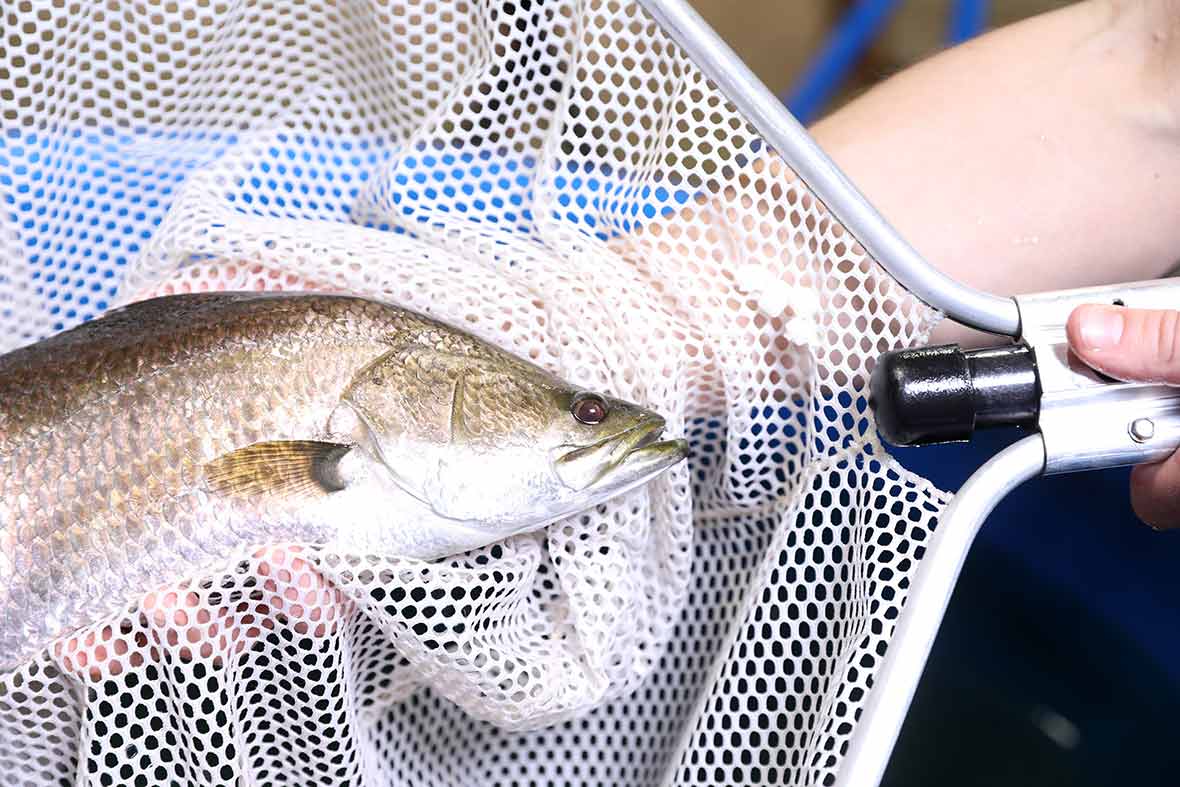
(1142, 429)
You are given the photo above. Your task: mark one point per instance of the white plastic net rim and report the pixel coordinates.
(536, 173)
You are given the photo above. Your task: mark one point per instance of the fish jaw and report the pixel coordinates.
(646, 463)
(619, 462)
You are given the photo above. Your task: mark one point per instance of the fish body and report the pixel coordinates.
(168, 434)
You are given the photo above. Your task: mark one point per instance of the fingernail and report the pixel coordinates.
(1102, 328)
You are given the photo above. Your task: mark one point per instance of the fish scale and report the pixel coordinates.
(135, 474)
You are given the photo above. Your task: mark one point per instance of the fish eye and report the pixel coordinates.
(589, 409)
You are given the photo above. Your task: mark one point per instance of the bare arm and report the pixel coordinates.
(1042, 156)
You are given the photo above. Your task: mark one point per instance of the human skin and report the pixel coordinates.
(1140, 345)
(1042, 156)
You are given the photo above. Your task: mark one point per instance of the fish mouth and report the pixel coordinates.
(648, 450)
(623, 460)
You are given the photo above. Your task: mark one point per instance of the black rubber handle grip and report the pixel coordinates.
(943, 394)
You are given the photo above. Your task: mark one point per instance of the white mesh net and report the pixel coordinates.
(558, 178)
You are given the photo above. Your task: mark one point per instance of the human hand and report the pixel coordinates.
(1136, 345)
(180, 622)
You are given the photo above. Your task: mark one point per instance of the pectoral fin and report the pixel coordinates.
(280, 468)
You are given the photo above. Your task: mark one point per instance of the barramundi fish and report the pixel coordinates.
(168, 435)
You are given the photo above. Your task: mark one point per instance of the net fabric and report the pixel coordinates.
(558, 178)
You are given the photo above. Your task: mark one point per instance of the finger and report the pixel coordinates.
(97, 653)
(229, 275)
(189, 626)
(1155, 493)
(298, 591)
(1139, 345)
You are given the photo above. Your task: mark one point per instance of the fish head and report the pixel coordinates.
(488, 438)
(603, 446)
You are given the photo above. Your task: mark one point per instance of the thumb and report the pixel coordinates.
(1136, 345)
